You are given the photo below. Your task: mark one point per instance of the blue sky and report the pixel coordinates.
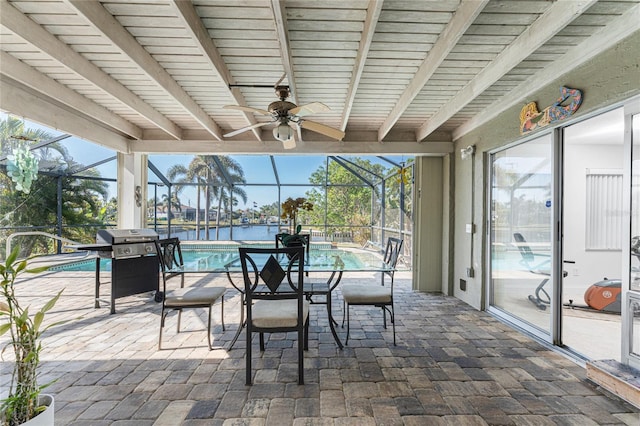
(257, 169)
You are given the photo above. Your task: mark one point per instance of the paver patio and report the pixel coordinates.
(453, 365)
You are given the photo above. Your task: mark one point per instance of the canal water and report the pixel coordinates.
(240, 232)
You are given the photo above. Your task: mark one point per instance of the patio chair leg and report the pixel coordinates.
(347, 340)
(343, 312)
(248, 356)
(222, 312)
(179, 317)
(262, 342)
(162, 317)
(384, 317)
(306, 335)
(301, 343)
(393, 323)
(209, 329)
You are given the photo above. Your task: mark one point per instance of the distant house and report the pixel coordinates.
(161, 213)
(189, 214)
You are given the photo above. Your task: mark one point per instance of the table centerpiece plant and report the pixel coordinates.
(25, 400)
(290, 210)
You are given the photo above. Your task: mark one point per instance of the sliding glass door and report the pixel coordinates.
(631, 320)
(564, 235)
(592, 235)
(521, 233)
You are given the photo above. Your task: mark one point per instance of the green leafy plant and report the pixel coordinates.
(25, 331)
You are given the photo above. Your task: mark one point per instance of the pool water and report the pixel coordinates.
(216, 259)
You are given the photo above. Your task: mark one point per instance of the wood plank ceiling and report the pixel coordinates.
(399, 76)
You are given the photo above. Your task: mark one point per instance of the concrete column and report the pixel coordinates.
(132, 190)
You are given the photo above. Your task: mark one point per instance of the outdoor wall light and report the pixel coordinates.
(467, 152)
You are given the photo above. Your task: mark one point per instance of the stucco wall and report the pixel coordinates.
(607, 79)
(427, 249)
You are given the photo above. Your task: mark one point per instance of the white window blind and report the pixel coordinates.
(603, 210)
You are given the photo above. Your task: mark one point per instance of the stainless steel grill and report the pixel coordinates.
(134, 265)
(128, 242)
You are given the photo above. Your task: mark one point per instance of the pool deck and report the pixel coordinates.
(453, 365)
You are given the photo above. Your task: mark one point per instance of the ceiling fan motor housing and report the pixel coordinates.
(283, 92)
(280, 108)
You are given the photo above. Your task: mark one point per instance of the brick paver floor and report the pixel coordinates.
(453, 365)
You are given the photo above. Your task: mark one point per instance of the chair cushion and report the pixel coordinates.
(193, 296)
(366, 294)
(277, 313)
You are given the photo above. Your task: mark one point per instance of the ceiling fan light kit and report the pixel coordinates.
(289, 144)
(287, 115)
(283, 132)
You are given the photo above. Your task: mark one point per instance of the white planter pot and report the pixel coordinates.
(46, 417)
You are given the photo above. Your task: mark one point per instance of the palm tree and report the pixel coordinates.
(225, 193)
(12, 130)
(83, 200)
(180, 175)
(204, 170)
(170, 204)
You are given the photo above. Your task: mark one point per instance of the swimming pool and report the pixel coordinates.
(214, 256)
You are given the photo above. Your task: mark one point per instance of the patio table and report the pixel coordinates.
(333, 261)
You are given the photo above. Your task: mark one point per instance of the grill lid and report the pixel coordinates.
(124, 236)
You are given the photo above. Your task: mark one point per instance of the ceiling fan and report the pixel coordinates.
(289, 117)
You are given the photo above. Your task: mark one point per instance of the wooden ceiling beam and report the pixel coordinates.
(273, 147)
(608, 36)
(24, 103)
(280, 19)
(554, 19)
(30, 77)
(455, 29)
(22, 26)
(187, 13)
(373, 14)
(104, 22)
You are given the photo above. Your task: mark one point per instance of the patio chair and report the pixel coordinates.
(291, 240)
(274, 297)
(374, 295)
(171, 264)
(305, 239)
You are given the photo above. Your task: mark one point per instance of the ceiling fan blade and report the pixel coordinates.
(321, 128)
(308, 109)
(247, 109)
(244, 129)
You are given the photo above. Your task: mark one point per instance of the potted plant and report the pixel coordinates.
(290, 209)
(25, 400)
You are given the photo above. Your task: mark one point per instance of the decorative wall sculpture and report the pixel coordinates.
(531, 118)
(22, 168)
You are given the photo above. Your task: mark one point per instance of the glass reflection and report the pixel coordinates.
(635, 205)
(521, 231)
